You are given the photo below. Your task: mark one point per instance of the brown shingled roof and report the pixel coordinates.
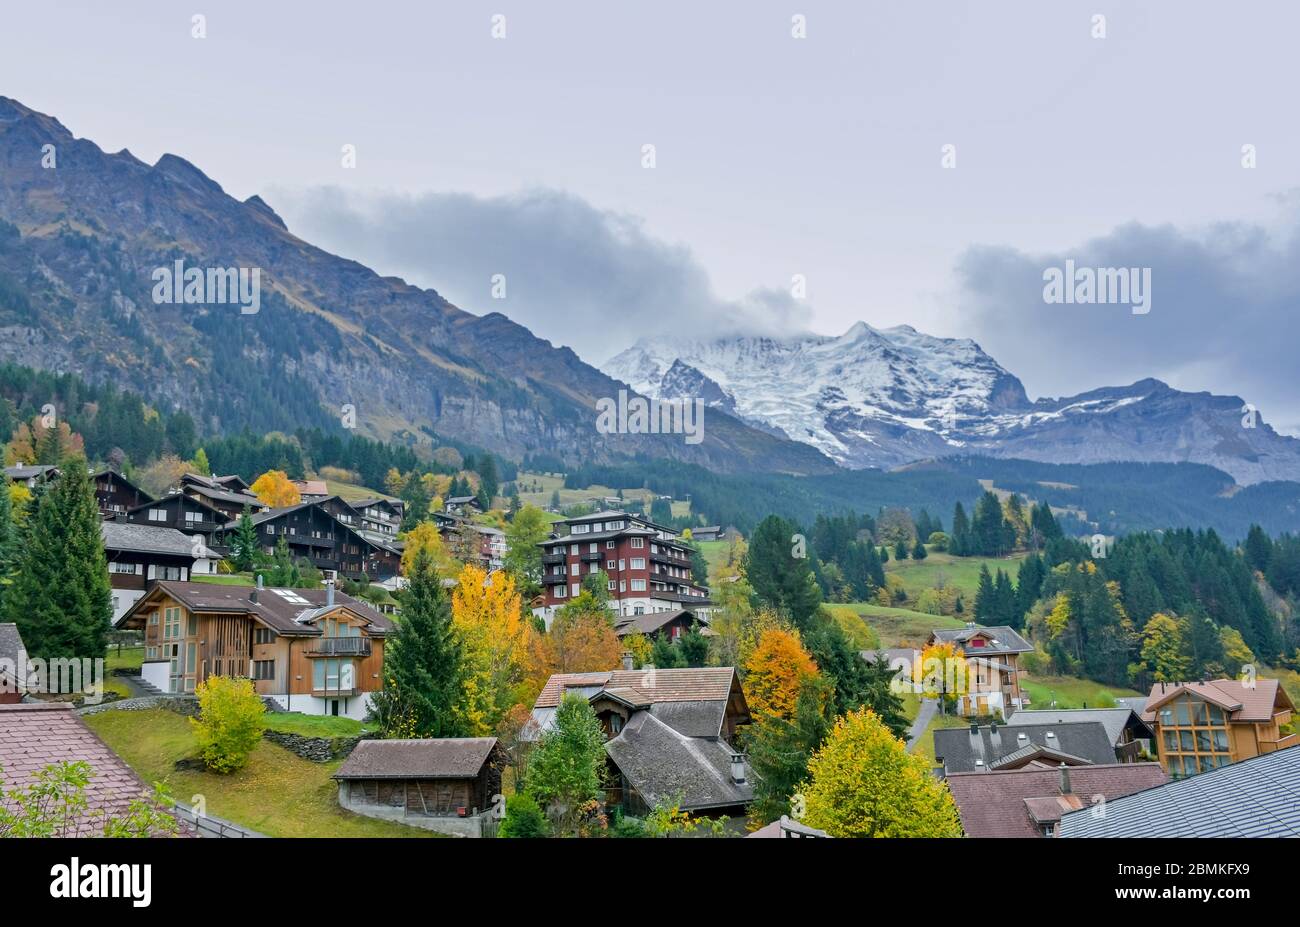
(426, 758)
(275, 610)
(1002, 804)
(1245, 703)
(36, 735)
(702, 684)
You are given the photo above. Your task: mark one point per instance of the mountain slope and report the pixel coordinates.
(883, 398)
(80, 241)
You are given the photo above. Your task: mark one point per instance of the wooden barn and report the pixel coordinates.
(423, 782)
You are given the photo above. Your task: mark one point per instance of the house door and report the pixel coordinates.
(334, 707)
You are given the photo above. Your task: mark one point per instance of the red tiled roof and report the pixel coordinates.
(1247, 703)
(998, 804)
(36, 735)
(703, 684)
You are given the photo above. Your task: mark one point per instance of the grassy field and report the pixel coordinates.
(715, 555)
(278, 793)
(294, 722)
(351, 492)
(1070, 692)
(548, 484)
(939, 568)
(128, 658)
(901, 627)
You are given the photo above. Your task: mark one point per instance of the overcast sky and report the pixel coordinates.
(775, 156)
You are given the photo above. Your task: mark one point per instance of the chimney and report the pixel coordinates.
(252, 596)
(738, 768)
(329, 593)
(1065, 779)
(627, 660)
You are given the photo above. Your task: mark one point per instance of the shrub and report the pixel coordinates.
(523, 817)
(230, 722)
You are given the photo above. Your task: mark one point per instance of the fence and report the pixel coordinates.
(209, 826)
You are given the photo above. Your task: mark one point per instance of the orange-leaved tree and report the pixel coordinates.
(773, 673)
(274, 489)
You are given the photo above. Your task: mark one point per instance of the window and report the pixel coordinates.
(609, 545)
(151, 653)
(593, 568)
(638, 563)
(593, 548)
(577, 588)
(638, 585)
(333, 674)
(1193, 737)
(609, 564)
(194, 516)
(263, 636)
(611, 585)
(622, 585)
(574, 568)
(621, 564)
(169, 572)
(263, 669)
(171, 622)
(192, 626)
(157, 514)
(581, 529)
(638, 542)
(117, 566)
(573, 549)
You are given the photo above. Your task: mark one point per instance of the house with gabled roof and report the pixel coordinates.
(115, 494)
(1125, 728)
(1200, 726)
(312, 531)
(992, 747)
(993, 679)
(179, 511)
(227, 494)
(312, 650)
(141, 555)
(670, 735)
(1033, 801)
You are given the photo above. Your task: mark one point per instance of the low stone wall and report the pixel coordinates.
(187, 705)
(316, 749)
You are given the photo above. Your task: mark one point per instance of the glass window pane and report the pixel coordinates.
(1181, 714)
(1216, 716)
(1188, 744)
(1221, 741)
(1207, 763)
(1171, 740)
(1203, 741)
(1199, 715)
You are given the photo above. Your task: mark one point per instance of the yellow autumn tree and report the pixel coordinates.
(774, 673)
(41, 443)
(941, 672)
(581, 640)
(487, 621)
(864, 783)
(425, 536)
(274, 489)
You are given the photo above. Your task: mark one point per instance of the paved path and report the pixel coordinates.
(928, 707)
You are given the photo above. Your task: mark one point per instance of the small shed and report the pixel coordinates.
(410, 780)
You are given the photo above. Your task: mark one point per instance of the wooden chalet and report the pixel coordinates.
(226, 494)
(141, 555)
(312, 650)
(180, 511)
(116, 495)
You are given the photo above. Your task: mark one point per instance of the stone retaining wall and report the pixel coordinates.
(316, 749)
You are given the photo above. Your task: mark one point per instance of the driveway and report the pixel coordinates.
(927, 711)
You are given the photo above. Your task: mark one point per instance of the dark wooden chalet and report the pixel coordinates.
(311, 532)
(229, 497)
(179, 511)
(116, 495)
(141, 555)
(448, 777)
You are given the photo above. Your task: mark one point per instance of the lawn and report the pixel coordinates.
(350, 492)
(961, 572)
(715, 555)
(925, 745)
(902, 627)
(224, 579)
(278, 794)
(128, 658)
(295, 722)
(1071, 692)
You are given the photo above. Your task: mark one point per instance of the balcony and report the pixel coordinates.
(554, 579)
(338, 647)
(671, 561)
(554, 559)
(591, 557)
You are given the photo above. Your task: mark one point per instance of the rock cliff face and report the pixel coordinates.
(82, 233)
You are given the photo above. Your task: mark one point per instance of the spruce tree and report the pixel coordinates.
(985, 598)
(60, 598)
(919, 551)
(9, 545)
(243, 546)
(900, 550)
(960, 545)
(423, 671)
(780, 578)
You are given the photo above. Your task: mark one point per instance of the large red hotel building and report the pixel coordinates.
(648, 566)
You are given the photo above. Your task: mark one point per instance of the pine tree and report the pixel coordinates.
(985, 598)
(779, 578)
(422, 663)
(60, 598)
(919, 551)
(960, 544)
(9, 545)
(243, 546)
(900, 550)
(1258, 549)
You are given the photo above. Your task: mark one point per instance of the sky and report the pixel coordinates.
(776, 159)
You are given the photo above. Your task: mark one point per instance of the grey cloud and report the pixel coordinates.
(580, 276)
(1223, 314)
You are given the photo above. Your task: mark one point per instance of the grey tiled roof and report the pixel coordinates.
(1005, 639)
(150, 539)
(661, 763)
(1259, 797)
(443, 758)
(960, 749)
(1114, 720)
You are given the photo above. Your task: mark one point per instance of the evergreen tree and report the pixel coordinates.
(489, 481)
(985, 598)
(694, 647)
(779, 578)
(900, 551)
(1258, 549)
(1005, 597)
(779, 750)
(960, 544)
(243, 546)
(856, 682)
(60, 598)
(919, 552)
(9, 542)
(422, 662)
(664, 654)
